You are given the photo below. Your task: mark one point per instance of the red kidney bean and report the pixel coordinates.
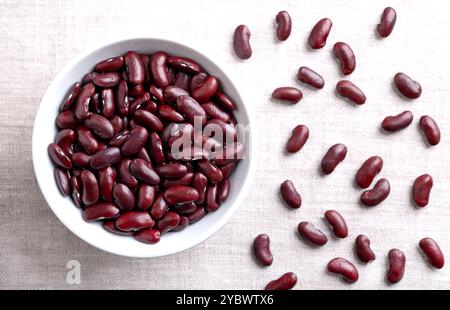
(106, 180)
(105, 158)
(377, 194)
(150, 236)
(261, 248)
(123, 196)
(117, 123)
(407, 86)
(333, 157)
(95, 104)
(148, 120)
(119, 139)
(65, 139)
(397, 122)
(81, 109)
(168, 222)
(106, 80)
(290, 194)
(225, 101)
(159, 207)
(363, 250)
(110, 225)
(421, 190)
(143, 154)
(213, 173)
(70, 97)
(197, 80)
(168, 113)
(200, 183)
(76, 191)
(223, 191)
(214, 112)
(346, 57)
(345, 268)
(171, 93)
(298, 138)
(100, 210)
(134, 220)
(387, 22)
(284, 25)
(310, 77)
(185, 209)
(289, 94)
(136, 140)
(241, 42)
(58, 156)
(145, 196)
(156, 148)
(113, 64)
(144, 172)
(180, 195)
(62, 180)
(229, 153)
(433, 252)
(89, 183)
(136, 90)
(101, 146)
(146, 62)
(157, 94)
(125, 175)
(184, 64)
(87, 78)
(211, 203)
(108, 103)
(430, 130)
(285, 282)
(182, 224)
(396, 269)
(206, 90)
(158, 66)
(87, 140)
(337, 222)
(197, 215)
(222, 131)
(312, 234)
(100, 125)
(367, 172)
(319, 33)
(350, 91)
(140, 102)
(228, 169)
(191, 109)
(66, 120)
(182, 80)
(172, 170)
(122, 98)
(135, 67)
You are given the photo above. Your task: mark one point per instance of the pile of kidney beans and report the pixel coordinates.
(114, 151)
(421, 188)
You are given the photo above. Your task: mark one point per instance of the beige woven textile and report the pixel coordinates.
(37, 38)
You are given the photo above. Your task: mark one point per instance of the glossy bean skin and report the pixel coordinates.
(290, 194)
(65, 140)
(206, 90)
(261, 249)
(433, 252)
(105, 158)
(228, 169)
(145, 196)
(284, 25)
(150, 236)
(396, 269)
(333, 157)
(397, 122)
(225, 102)
(100, 125)
(430, 129)
(106, 80)
(110, 225)
(148, 120)
(344, 268)
(229, 153)
(186, 209)
(158, 66)
(421, 190)
(81, 160)
(113, 64)
(182, 224)
(407, 86)
(211, 203)
(184, 64)
(106, 179)
(168, 113)
(172, 170)
(144, 172)
(159, 207)
(58, 156)
(62, 178)
(140, 102)
(70, 97)
(117, 123)
(367, 172)
(87, 140)
(337, 222)
(66, 120)
(171, 93)
(122, 101)
(95, 104)
(363, 250)
(81, 109)
(134, 220)
(298, 138)
(100, 210)
(136, 140)
(180, 195)
(288, 94)
(197, 215)
(387, 22)
(344, 53)
(215, 112)
(212, 173)
(182, 80)
(377, 194)
(223, 191)
(310, 77)
(91, 192)
(108, 103)
(312, 234)
(119, 139)
(241, 42)
(285, 282)
(168, 222)
(200, 183)
(350, 91)
(123, 197)
(125, 175)
(135, 67)
(191, 109)
(75, 186)
(156, 148)
(319, 33)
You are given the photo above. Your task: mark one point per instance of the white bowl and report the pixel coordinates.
(44, 132)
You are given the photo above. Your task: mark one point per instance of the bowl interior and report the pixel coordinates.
(45, 130)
